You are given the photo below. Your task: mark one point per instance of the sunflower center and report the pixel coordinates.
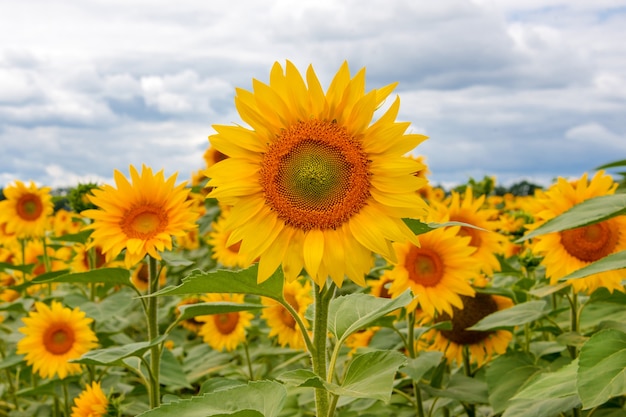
(58, 338)
(473, 234)
(226, 322)
(590, 243)
(315, 175)
(474, 309)
(425, 266)
(29, 207)
(144, 222)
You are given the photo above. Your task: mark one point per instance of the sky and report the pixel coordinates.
(516, 89)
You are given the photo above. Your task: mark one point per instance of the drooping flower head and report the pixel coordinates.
(53, 336)
(314, 182)
(141, 216)
(92, 402)
(26, 210)
(565, 252)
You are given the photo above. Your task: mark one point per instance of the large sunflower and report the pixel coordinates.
(92, 402)
(281, 322)
(26, 210)
(567, 251)
(438, 271)
(225, 331)
(140, 217)
(314, 183)
(482, 345)
(53, 336)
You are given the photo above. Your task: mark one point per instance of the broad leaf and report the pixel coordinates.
(419, 227)
(172, 373)
(602, 368)
(589, 211)
(462, 388)
(119, 276)
(505, 375)
(218, 307)
(416, 368)
(371, 375)
(225, 281)
(80, 237)
(11, 361)
(608, 263)
(114, 355)
(514, 316)
(28, 268)
(260, 398)
(349, 313)
(305, 378)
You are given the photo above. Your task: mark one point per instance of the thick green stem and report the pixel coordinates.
(470, 409)
(66, 398)
(419, 406)
(153, 333)
(318, 354)
(574, 322)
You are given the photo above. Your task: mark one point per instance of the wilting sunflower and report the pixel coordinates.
(473, 211)
(92, 402)
(281, 322)
(26, 209)
(53, 336)
(438, 271)
(482, 345)
(140, 217)
(314, 183)
(565, 252)
(225, 331)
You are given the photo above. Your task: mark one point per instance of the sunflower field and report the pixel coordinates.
(311, 269)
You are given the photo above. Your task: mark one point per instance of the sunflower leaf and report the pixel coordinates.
(352, 312)
(26, 268)
(416, 368)
(116, 276)
(218, 307)
(462, 388)
(225, 281)
(258, 398)
(419, 227)
(517, 315)
(602, 368)
(371, 375)
(506, 374)
(608, 263)
(589, 211)
(114, 355)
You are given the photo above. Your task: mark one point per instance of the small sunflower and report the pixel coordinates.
(361, 338)
(438, 271)
(53, 336)
(92, 402)
(26, 210)
(473, 211)
(225, 331)
(192, 324)
(280, 321)
(567, 251)
(140, 276)
(313, 183)
(226, 254)
(81, 260)
(140, 217)
(482, 345)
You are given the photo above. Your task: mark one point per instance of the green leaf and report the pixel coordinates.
(462, 388)
(505, 375)
(172, 373)
(608, 263)
(547, 394)
(119, 276)
(217, 307)
(80, 237)
(612, 165)
(224, 281)
(11, 361)
(28, 268)
(305, 378)
(175, 259)
(349, 313)
(589, 211)
(259, 398)
(371, 375)
(602, 368)
(514, 316)
(416, 368)
(419, 227)
(114, 355)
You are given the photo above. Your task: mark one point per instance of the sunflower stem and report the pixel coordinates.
(574, 322)
(153, 333)
(470, 409)
(320, 334)
(249, 362)
(419, 405)
(66, 398)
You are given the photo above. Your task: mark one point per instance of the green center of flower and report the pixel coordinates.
(29, 207)
(315, 175)
(590, 243)
(474, 309)
(58, 339)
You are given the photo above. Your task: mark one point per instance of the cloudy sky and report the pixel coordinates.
(519, 89)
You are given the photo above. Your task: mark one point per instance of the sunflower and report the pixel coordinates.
(81, 260)
(470, 210)
(361, 338)
(92, 402)
(64, 222)
(53, 336)
(482, 345)
(226, 254)
(312, 180)
(26, 209)
(140, 276)
(225, 331)
(438, 271)
(280, 321)
(567, 251)
(192, 324)
(140, 217)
